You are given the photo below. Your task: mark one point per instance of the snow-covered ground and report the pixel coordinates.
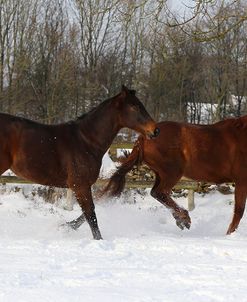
(144, 257)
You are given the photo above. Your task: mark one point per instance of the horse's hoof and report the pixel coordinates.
(97, 235)
(180, 225)
(98, 238)
(230, 231)
(73, 226)
(67, 226)
(187, 225)
(183, 224)
(182, 220)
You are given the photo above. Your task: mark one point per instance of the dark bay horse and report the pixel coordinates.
(69, 155)
(214, 153)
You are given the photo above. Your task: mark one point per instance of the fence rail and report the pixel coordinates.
(184, 183)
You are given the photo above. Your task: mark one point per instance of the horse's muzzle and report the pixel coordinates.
(155, 133)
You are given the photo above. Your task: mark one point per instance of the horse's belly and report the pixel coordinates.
(208, 173)
(45, 175)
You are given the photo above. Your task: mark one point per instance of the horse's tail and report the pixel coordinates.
(117, 182)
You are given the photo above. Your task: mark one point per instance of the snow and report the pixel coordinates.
(120, 152)
(204, 113)
(107, 166)
(144, 256)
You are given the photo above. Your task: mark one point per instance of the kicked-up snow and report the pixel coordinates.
(144, 257)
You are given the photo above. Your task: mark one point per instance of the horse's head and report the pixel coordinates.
(133, 115)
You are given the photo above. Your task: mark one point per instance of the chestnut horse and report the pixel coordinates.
(214, 153)
(69, 155)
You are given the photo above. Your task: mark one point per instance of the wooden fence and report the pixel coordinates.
(183, 184)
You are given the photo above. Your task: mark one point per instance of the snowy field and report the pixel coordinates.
(144, 257)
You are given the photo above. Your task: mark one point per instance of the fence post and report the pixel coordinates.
(69, 200)
(191, 199)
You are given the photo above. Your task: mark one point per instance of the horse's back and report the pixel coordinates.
(35, 151)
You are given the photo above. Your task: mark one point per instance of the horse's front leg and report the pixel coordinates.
(181, 215)
(161, 193)
(76, 223)
(85, 200)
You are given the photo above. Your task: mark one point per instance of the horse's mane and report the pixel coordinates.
(96, 108)
(236, 122)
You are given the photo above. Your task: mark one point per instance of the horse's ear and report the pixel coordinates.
(132, 91)
(124, 88)
(124, 91)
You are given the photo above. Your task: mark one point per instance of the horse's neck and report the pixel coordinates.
(100, 127)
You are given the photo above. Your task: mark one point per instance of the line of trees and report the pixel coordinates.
(59, 58)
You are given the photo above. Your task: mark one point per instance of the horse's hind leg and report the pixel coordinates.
(239, 206)
(161, 192)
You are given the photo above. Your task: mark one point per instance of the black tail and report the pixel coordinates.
(117, 182)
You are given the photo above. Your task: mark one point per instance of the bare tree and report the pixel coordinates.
(8, 11)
